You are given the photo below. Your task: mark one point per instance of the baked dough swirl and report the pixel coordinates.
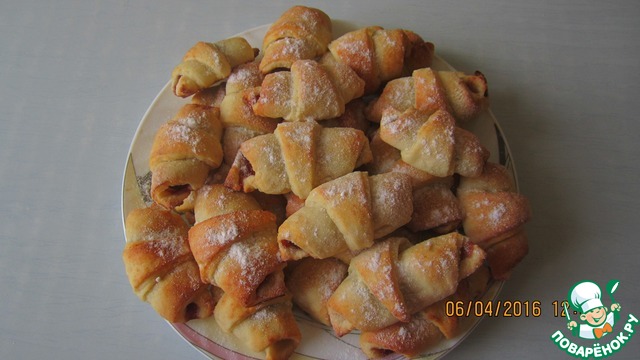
(234, 244)
(464, 96)
(344, 216)
(378, 55)
(160, 267)
(296, 158)
(393, 280)
(299, 33)
(185, 149)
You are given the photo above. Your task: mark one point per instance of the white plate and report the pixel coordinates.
(318, 342)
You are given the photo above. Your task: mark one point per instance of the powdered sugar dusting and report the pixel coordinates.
(356, 52)
(187, 129)
(222, 235)
(301, 133)
(214, 55)
(243, 77)
(318, 90)
(389, 192)
(169, 248)
(387, 38)
(265, 315)
(275, 98)
(331, 281)
(438, 145)
(251, 261)
(495, 213)
(393, 124)
(436, 100)
(342, 190)
(293, 48)
(366, 309)
(440, 265)
(169, 242)
(274, 158)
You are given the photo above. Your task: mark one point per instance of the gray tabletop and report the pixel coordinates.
(77, 77)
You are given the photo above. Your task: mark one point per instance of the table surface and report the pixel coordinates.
(77, 77)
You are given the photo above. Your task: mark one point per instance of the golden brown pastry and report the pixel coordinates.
(215, 199)
(160, 266)
(244, 76)
(216, 176)
(464, 96)
(268, 327)
(275, 204)
(236, 109)
(234, 244)
(294, 203)
(346, 215)
(207, 63)
(378, 55)
(393, 280)
(411, 338)
(383, 155)
(494, 217)
(184, 151)
(426, 327)
(435, 206)
(353, 117)
(299, 33)
(311, 90)
(210, 96)
(433, 143)
(296, 158)
(311, 283)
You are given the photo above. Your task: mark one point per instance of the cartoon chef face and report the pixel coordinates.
(585, 297)
(595, 317)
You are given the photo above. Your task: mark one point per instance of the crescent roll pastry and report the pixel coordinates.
(207, 63)
(311, 283)
(296, 158)
(311, 90)
(160, 266)
(386, 158)
(426, 327)
(435, 205)
(378, 55)
(411, 338)
(393, 280)
(346, 215)
(433, 143)
(236, 109)
(184, 151)
(464, 96)
(234, 244)
(494, 217)
(299, 33)
(268, 327)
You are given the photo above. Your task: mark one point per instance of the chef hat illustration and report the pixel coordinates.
(586, 296)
